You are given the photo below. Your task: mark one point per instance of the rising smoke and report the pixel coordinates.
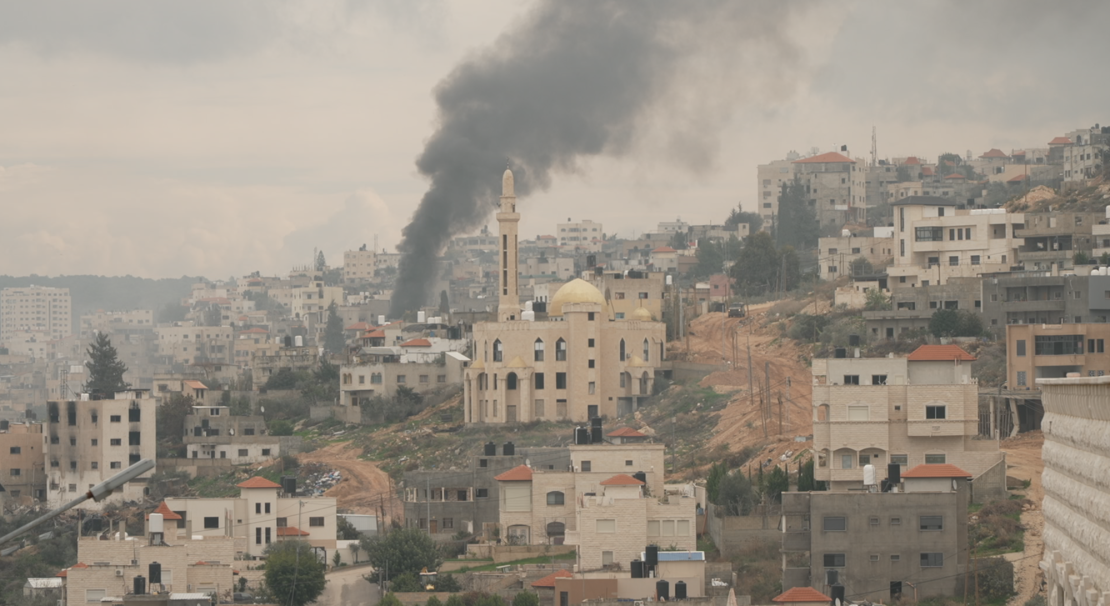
(580, 78)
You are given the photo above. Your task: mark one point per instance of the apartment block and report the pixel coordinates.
(875, 543)
(1076, 562)
(265, 363)
(380, 371)
(189, 344)
(836, 187)
(263, 515)
(211, 432)
(139, 321)
(1082, 158)
(36, 308)
(836, 254)
(1053, 239)
(770, 178)
(1052, 351)
(913, 307)
(936, 241)
(628, 291)
(88, 441)
(1044, 297)
(359, 266)
(582, 235)
(22, 468)
(922, 409)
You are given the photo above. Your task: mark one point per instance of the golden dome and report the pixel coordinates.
(575, 291)
(637, 361)
(517, 363)
(641, 314)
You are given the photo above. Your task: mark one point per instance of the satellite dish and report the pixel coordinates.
(262, 408)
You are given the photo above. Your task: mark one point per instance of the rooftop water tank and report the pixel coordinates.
(421, 317)
(869, 475)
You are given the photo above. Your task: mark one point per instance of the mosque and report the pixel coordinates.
(578, 364)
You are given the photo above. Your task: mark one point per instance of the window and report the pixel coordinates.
(851, 379)
(1021, 347)
(878, 379)
(590, 342)
(586, 466)
(537, 350)
(242, 452)
(265, 452)
(441, 378)
(936, 412)
(115, 465)
(481, 493)
(258, 507)
(16, 472)
(590, 364)
(447, 523)
(555, 498)
(94, 595)
(901, 459)
(133, 438)
(498, 351)
(643, 295)
(376, 378)
(560, 351)
(267, 535)
(1058, 345)
(401, 378)
(15, 450)
(1021, 378)
(953, 260)
(212, 522)
(257, 536)
(846, 461)
(647, 351)
(266, 508)
(929, 234)
(622, 355)
(931, 522)
(114, 418)
(975, 259)
(282, 522)
(607, 526)
(316, 521)
(874, 557)
(590, 316)
(606, 558)
(835, 523)
(935, 459)
(361, 379)
(560, 380)
(864, 459)
(834, 560)
(423, 378)
(894, 557)
(539, 409)
(932, 560)
(538, 380)
(628, 463)
(592, 387)
(859, 413)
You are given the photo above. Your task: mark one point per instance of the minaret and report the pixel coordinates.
(508, 307)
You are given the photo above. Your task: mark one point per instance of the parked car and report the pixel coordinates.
(243, 597)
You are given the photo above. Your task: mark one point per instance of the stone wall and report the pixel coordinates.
(732, 533)
(991, 484)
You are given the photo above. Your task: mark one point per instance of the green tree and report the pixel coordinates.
(337, 559)
(284, 378)
(876, 300)
(213, 315)
(796, 224)
(944, 323)
(333, 332)
(903, 174)
(392, 600)
(790, 268)
(455, 600)
(1104, 260)
(171, 312)
(775, 483)
(711, 259)
(406, 582)
(105, 369)
(1081, 258)
(447, 582)
(355, 548)
(294, 575)
(678, 241)
(970, 325)
(735, 495)
(944, 168)
(321, 262)
(860, 266)
(736, 217)
(717, 472)
(402, 550)
(526, 598)
(346, 531)
(241, 406)
(433, 601)
(169, 424)
(757, 268)
(280, 427)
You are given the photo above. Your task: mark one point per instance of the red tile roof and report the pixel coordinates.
(626, 432)
(65, 572)
(994, 153)
(955, 176)
(167, 513)
(912, 160)
(359, 326)
(258, 482)
(191, 384)
(1060, 141)
(802, 594)
(1017, 179)
(622, 479)
(940, 353)
(664, 249)
(520, 473)
(927, 171)
(377, 334)
(1020, 152)
(829, 158)
(549, 580)
(417, 343)
(291, 531)
(945, 470)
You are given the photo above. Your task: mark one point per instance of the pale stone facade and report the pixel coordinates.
(88, 441)
(211, 432)
(625, 292)
(22, 472)
(1048, 351)
(1076, 475)
(36, 308)
(185, 343)
(582, 235)
(359, 266)
(896, 410)
(837, 254)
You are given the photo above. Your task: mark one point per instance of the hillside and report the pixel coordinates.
(1092, 198)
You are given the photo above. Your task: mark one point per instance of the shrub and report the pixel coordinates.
(995, 579)
(405, 583)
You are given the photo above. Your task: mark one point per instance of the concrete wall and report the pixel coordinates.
(991, 484)
(732, 533)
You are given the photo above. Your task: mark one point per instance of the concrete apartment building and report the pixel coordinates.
(913, 307)
(261, 514)
(139, 321)
(380, 371)
(211, 432)
(185, 343)
(22, 466)
(268, 362)
(1043, 297)
(583, 235)
(1076, 455)
(836, 254)
(922, 409)
(88, 441)
(835, 187)
(188, 564)
(1082, 155)
(359, 266)
(1052, 239)
(936, 241)
(881, 545)
(578, 364)
(1052, 351)
(770, 178)
(627, 291)
(36, 308)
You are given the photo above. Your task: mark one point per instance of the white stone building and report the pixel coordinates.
(36, 308)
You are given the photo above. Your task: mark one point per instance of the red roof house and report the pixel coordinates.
(258, 482)
(940, 353)
(829, 158)
(520, 473)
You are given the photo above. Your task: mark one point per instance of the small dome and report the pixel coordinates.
(517, 363)
(637, 361)
(575, 291)
(641, 314)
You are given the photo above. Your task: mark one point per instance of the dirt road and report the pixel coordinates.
(364, 488)
(1023, 461)
(346, 587)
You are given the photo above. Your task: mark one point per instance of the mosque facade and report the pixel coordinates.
(578, 364)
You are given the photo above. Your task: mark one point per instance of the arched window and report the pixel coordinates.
(498, 351)
(647, 351)
(622, 350)
(510, 381)
(556, 529)
(560, 350)
(537, 348)
(485, 351)
(644, 384)
(555, 498)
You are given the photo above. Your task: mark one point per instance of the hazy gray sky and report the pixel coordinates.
(160, 138)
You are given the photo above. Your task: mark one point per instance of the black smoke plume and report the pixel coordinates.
(580, 78)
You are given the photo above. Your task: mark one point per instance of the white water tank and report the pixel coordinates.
(528, 315)
(668, 280)
(869, 475)
(527, 306)
(421, 317)
(156, 524)
(298, 341)
(381, 319)
(845, 233)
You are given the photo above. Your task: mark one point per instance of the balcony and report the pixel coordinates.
(796, 541)
(1038, 305)
(937, 427)
(1045, 255)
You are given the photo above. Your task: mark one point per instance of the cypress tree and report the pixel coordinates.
(105, 369)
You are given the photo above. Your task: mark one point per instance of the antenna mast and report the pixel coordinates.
(874, 148)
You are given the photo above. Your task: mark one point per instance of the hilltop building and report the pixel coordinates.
(36, 308)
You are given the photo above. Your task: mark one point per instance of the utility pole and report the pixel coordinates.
(780, 413)
(751, 375)
(767, 384)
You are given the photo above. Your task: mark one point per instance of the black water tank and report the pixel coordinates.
(638, 569)
(4, 425)
(652, 552)
(840, 352)
(662, 590)
(289, 341)
(837, 593)
(288, 485)
(490, 450)
(140, 585)
(894, 473)
(581, 435)
(154, 572)
(595, 435)
(509, 449)
(595, 422)
(641, 476)
(680, 590)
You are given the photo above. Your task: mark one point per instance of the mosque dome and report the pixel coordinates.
(575, 291)
(641, 314)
